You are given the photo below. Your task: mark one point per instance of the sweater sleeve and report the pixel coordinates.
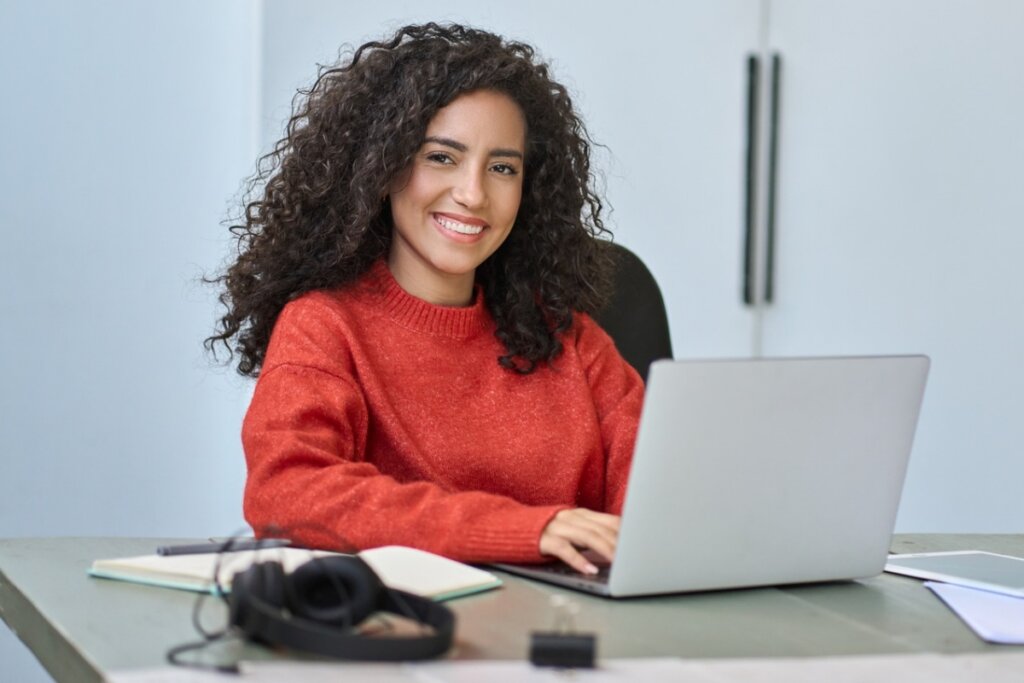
(618, 393)
(304, 437)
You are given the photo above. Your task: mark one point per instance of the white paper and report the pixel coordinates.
(906, 668)
(994, 617)
(655, 670)
(169, 674)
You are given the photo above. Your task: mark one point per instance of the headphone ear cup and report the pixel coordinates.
(340, 591)
(314, 608)
(263, 582)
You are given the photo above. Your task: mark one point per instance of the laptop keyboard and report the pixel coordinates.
(566, 570)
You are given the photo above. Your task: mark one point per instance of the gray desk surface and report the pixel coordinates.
(81, 628)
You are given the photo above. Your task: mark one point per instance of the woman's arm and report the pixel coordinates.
(617, 391)
(304, 437)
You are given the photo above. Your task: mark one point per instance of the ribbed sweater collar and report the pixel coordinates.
(457, 322)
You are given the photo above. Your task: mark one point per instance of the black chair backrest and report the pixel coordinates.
(635, 314)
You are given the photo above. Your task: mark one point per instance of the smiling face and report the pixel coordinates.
(456, 203)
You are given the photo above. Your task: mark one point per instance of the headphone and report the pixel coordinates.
(316, 607)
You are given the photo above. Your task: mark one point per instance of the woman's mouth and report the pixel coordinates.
(462, 226)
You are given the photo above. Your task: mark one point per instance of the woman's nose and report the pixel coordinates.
(469, 189)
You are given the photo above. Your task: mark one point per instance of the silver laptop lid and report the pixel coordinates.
(766, 471)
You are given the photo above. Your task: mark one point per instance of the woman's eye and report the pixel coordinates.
(505, 169)
(439, 158)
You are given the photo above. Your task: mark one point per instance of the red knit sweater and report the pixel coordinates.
(382, 419)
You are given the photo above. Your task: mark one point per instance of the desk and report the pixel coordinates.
(82, 628)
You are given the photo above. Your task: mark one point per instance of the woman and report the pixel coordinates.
(412, 290)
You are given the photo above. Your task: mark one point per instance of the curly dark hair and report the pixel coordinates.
(320, 217)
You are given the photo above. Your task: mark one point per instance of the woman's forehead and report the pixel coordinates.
(481, 116)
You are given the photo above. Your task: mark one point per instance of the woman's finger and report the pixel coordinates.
(571, 530)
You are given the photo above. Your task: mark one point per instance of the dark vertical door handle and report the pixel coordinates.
(773, 162)
(750, 200)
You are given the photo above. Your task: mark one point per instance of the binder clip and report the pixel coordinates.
(562, 647)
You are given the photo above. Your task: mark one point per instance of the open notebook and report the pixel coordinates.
(407, 569)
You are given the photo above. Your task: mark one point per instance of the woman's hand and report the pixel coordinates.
(570, 531)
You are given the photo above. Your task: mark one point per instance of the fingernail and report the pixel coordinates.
(590, 569)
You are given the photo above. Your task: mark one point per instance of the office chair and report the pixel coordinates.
(635, 315)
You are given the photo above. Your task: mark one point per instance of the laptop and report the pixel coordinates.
(761, 472)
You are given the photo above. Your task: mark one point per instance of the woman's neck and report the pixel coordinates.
(425, 282)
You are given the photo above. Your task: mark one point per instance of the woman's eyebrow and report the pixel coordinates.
(455, 144)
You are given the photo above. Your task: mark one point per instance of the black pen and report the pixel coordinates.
(224, 546)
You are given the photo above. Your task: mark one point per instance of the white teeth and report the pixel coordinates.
(458, 227)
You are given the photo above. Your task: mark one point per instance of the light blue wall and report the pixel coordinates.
(126, 129)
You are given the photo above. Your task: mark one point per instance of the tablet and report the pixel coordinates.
(972, 568)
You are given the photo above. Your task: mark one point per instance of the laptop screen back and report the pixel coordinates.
(761, 472)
